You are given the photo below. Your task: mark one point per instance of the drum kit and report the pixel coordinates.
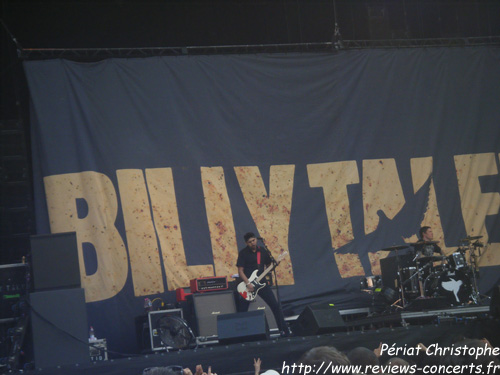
(453, 277)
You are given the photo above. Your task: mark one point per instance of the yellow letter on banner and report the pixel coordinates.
(475, 204)
(334, 178)
(220, 221)
(381, 191)
(97, 228)
(141, 236)
(271, 213)
(421, 171)
(166, 220)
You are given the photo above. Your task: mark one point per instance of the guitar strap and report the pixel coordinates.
(258, 257)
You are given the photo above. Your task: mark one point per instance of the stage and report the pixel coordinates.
(408, 329)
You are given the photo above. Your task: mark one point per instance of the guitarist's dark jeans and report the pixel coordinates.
(267, 295)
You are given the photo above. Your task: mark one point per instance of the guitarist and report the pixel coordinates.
(252, 258)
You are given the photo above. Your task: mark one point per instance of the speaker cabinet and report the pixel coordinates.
(142, 333)
(60, 329)
(55, 261)
(260, 305)
(317, 319)
(13, 285)
(242, 327)
(495, 302)
(204, 309)
(389, 269)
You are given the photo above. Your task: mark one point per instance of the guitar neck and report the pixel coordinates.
(270, 268)
(266, 271)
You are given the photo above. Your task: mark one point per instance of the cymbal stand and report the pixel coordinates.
(371, 289)
(278, 297)
(401, 288)
(420, 283)
(474, 266)
(419, 274)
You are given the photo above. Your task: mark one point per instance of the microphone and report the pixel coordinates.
(260, 238)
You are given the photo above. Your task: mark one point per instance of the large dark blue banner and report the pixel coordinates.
(161, 165)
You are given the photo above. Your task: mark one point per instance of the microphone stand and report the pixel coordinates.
(273, 261)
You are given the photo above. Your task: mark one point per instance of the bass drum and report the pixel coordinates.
(455, 285)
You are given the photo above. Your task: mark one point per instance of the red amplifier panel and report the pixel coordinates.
(208, 284)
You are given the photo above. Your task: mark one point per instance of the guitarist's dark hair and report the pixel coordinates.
(248, 235)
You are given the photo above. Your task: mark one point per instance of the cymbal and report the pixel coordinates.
(423, 243)
(470, 238)
(400, 247)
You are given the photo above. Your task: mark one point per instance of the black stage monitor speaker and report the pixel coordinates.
(242, 327)
(60, 330)
(55, 261)
(317, 319)
(260, 305)
(206, 307)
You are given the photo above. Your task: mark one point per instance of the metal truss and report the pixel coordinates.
(96, 54)
(420, 43)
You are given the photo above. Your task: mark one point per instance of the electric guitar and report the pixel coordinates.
(255, 281)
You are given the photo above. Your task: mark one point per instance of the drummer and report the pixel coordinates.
(426, 246)
(424, 251)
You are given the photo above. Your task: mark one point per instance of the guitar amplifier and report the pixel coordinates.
(208, 284)
(202, 311)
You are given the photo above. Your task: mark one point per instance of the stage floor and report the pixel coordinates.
(274, 353)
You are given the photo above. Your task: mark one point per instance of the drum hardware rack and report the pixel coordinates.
(473, 257)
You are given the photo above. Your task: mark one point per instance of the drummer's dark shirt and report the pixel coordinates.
(429, 250)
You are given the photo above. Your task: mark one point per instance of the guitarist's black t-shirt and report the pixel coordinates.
(248, 260)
